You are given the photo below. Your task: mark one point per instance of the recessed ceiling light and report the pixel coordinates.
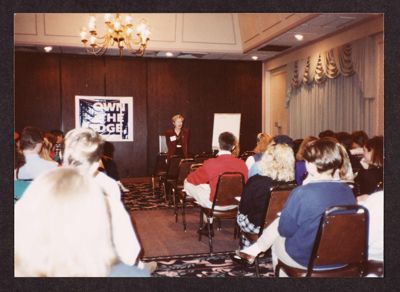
(48, 49)
(254, 57)
(169, 54)
(299, 37)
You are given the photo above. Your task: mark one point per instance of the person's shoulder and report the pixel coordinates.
(51, 164)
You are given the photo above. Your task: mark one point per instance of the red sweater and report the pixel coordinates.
(213, 167)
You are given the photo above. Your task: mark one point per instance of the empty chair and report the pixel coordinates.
(177, 185)
(171, 175)
(160, 170)
(341, 245)
(183, 198)
(229, 186)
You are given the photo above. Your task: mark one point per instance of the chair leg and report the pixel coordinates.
(165, 191)
(175, 207)
(153, 185)
(183, 211)
(201, 222)
(256, 263)
(235, 231)
(219, 223)
(209, 234)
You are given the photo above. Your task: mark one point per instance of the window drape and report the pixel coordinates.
(333, 90)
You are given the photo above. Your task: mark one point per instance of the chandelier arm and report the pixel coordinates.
(122, 35)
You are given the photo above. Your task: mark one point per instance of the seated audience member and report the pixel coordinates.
(83, 150)
(292, 235)
(300, 166)
(326, 133)
(19, 185)
(346, 140)
(108, 164)
(47, 151)
(374, 204)
(262, 142)
(296, 145)
(63, 229)
(280, 139)
(201, 184)
(276, 167)
(58, 145)
(370, 177)
(31, 142)
(357, 148)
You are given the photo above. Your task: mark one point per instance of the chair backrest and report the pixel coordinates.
(195, 166)
(229, 186)
(173, 166)
(161, 163)
(342, 237)
(200, 158)
(184, 169)
(278, 198)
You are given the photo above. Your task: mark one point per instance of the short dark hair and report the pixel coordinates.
(360, 138)
(226, 141)
(345, 139)
(325, 154)
(375, 145)
(326, 133)
(30, 137)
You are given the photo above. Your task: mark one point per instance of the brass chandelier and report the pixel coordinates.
(118, 31)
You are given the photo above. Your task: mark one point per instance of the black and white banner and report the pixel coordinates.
(110, 116)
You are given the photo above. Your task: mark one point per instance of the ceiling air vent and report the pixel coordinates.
(272, 48)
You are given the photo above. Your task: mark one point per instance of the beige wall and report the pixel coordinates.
(275, 87)
(379, 130)
(279, 121)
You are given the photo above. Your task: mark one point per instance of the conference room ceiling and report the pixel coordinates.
(314, 29)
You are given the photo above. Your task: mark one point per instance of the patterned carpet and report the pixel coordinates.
(218, 265)
(141, 197)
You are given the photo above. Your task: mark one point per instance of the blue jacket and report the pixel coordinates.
(302, 213)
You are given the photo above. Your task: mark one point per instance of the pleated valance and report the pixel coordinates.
(356, 58)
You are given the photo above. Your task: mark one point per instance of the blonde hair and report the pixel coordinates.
(46, 149)
(277, 162)
(346, 171)
(236, 149)
(302, 147)
(263, 141)
(83, 147)
(62, 228)
(177, 117)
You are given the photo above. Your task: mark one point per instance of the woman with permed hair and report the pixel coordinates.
(276, 167)
(370, 178)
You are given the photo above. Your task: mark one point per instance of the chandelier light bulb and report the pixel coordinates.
(107, 17)
(119, 32)
(254, 58)
(299, 37)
